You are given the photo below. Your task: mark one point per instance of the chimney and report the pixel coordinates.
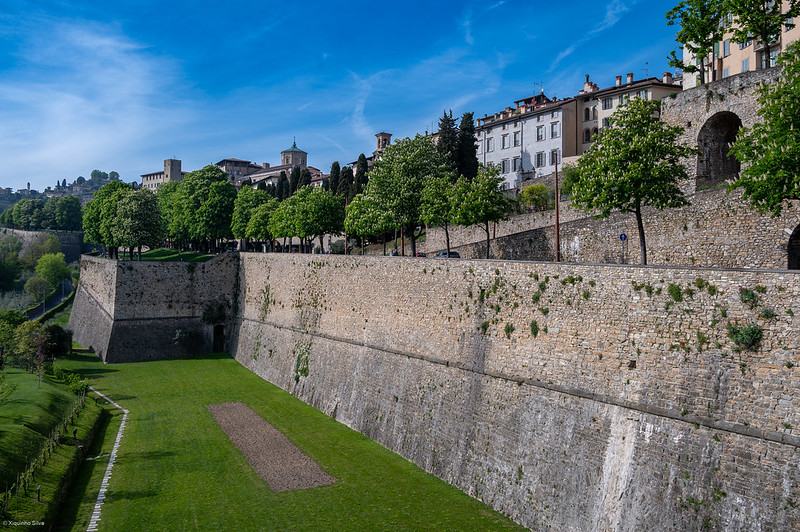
(587, 85)
(667, 78)
(619, 81)
(266, 165)
(629, 77)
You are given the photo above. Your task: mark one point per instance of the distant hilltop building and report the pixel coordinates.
(172, 172)
(528, 140)
(290, 158)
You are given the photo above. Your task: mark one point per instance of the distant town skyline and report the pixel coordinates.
(121, 87)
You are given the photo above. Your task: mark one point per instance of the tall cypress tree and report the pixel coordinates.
(305, 178)
(360, 179)
(467, 152)
(448, 139)
(283, 186)
(294, 179)
(345, 189)
(334, 178)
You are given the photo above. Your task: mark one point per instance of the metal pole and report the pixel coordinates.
(558, 244)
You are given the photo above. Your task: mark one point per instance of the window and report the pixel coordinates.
(587, 114)
(555, 131)
(623, 99)
(505, 141)
(743, 45)
(554, 113)
(505, 126)
(594, 112)
(587, 135)
(489, 144)
(504, 166)
(788, 24)
(773, 57)
(726, 48)
(726, 72)
(553, 157)
(606, 122)
(540, 118)
(516, 164)
(608, 103)
(746, 65)
(516, 124)
(642, 94)
(517, 138)
(540, 133)
(540, 159)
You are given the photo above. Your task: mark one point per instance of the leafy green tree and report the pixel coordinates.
(37, 288)
(139, 221)
(633, 164)
(447, 143)
(398, 177)
(437, 205)
(346, 184)
(113, 176)
(764, 20)
(97, 176)
(203, 205)
(318, 213)
(69, 214)
(53, 268)
(26, 337)
(770, 150)
(99, 215)
(10, 247)
(700, 29)
(9, 273)
(247, 201)
(7, 217)
(467, 150)
(281, 221)
(482, 201)
(166, 195)
(48, 216)
(80, 180)
(569, 175)
(365, 217)
(305, 178)
(334, 178)
(258, 224)
(110, 219)
(360, 178)
(6, 342)
(538, 196)
(27, 214)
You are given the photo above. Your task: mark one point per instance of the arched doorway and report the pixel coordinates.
(794, 249)
(714, 164)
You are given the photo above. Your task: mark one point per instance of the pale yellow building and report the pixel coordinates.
(731, 57)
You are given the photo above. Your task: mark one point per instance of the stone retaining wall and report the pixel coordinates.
(575, 397)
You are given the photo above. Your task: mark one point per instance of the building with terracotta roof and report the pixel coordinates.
(172, 172)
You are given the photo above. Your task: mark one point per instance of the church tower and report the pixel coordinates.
(294, 156)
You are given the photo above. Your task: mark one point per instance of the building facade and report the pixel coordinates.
(172, 172)
(730, 57)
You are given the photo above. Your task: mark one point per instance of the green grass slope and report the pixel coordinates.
(177, 470)
(27, 419)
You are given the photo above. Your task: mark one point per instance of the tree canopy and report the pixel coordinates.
(447, 142)
(466, 153)
(757, 18)
(633, 164)
(770, 150)
(139, 221)
(700, 29)
(53, 268)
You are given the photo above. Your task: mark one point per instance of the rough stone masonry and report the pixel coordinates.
(568, 396)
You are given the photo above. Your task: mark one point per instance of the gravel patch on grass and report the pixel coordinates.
(276, 459)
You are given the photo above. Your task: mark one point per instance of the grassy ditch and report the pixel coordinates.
(176, 469)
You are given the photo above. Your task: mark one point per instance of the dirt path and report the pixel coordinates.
(276, 459)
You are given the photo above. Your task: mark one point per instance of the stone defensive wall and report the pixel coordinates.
(716, 230)
(568, 396)
(129, 311)
(71, 241)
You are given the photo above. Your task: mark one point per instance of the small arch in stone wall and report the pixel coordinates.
(793, 249)
(714, 164)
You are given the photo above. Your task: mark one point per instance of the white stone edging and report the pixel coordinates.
(94, 522)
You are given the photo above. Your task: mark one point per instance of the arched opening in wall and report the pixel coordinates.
(714, 164)
(219, 339)
(794, 249)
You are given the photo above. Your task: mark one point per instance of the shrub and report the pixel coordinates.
(538, 196)
(748, 297)
(509, 328)
(746, 337)
(534, 328)
(675, 293)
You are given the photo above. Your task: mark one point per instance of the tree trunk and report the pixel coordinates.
(447, 238)
(140, 252)
(487, 239)
(413, 238)
(642, 244)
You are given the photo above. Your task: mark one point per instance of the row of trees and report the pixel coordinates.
(703, 23)
(59, 213)
(30, 345)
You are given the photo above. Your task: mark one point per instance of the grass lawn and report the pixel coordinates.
(177, 470)
(27, 419)
(173, 255)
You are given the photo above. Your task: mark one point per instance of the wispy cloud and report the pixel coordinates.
(613, 13)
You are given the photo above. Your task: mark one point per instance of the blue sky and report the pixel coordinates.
(124, 85)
